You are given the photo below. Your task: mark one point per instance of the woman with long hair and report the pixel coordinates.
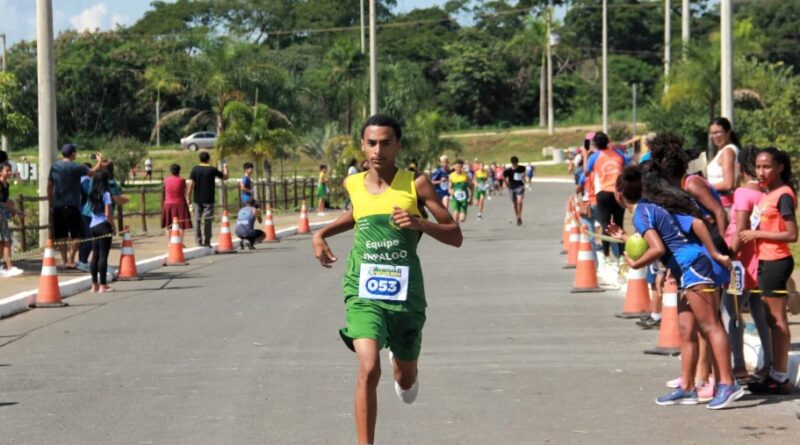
(692, 266)
(176, 203)
(101, 229)
(773, 226)
(723, 169)
(745, 198)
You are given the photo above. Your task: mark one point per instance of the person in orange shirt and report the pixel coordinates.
(773, 226)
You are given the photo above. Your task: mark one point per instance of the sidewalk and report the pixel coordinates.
(145, 245)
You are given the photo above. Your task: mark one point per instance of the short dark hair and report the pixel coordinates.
(460, 161)
(3, 157)
(600, 139)
(514, 160)
(175, 169)
(247, 165)
(204, 156)
(629, 183)
(323, 166)
(383, 120)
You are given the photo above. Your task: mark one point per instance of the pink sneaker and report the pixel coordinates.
(675, 383)
(705, 392)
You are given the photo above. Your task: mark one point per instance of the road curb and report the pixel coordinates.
(21, 302)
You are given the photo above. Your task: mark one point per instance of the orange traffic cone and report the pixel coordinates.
(269, 227)
(225, 240)
(565, 234)
(49, 294)
(302, 226)
(574, 244)
(669, 339)
(585, 272)
(637, 297)
(127, 262)
(175, 255)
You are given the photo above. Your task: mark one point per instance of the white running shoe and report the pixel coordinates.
(406, 395)
(13, 272)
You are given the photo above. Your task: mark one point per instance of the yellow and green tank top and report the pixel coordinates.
(460, 184)
(482, 177)
(383, 264)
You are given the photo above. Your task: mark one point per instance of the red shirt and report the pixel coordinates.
(174, 190)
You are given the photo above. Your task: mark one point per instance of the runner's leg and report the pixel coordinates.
(366, 398)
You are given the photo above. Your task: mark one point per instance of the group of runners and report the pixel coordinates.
(735, 218)
(464, 185)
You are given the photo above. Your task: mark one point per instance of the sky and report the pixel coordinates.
(18, 17)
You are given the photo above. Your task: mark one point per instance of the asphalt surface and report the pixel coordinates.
(244, 349)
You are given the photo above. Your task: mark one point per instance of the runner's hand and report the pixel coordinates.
(725, 260)
(405, 220)
(322, 251)
(615, 231)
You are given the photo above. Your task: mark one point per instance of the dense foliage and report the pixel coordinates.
(462, 64)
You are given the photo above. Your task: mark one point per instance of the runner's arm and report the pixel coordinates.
(699, 228)
(701, 193)
(322, 251)
(444, 230)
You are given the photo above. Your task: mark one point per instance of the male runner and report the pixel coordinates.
(439, 178)
(459, 191)
(480, 186)
(383, 286)
(515, 181)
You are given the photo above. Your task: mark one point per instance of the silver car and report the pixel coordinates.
(201, 139)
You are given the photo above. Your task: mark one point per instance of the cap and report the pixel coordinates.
(589, 136)
(68, 149)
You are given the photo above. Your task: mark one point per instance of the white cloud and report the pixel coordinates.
(119, 19)
(91, 19)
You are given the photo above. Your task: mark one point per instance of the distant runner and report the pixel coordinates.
(515, 180)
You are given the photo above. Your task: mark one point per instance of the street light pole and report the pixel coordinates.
(605, 66)
(363, 38)
(47, 105)
(4, 138)
(686, 23)
(726, 70)
(667, 47)
(550, 117)
(373, 62)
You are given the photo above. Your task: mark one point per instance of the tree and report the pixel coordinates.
(159, 79)
(423, 141)
(13, 124)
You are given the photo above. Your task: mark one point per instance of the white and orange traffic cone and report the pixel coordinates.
(302, 226)
(574, 244)
(565, 233)
(585, 272)
(49, 294)
(269, 227)
(225, 240)
(637, 296)
(127, 261)
(175, 255)
(669, 339)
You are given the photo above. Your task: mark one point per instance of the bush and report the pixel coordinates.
(126, 153)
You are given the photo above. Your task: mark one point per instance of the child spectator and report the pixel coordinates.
(6, 211)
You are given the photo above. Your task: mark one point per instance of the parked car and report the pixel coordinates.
(201, 139)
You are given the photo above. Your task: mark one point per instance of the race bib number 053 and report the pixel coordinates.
(383, 282)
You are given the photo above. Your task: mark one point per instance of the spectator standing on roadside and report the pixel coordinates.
(176, 202)
(246, 184)
(117, 198)
(6, 211)
(202, 190)
(64, 195)
(148, 169)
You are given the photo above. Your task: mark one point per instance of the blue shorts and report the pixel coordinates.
(699, 272)
(442, 193)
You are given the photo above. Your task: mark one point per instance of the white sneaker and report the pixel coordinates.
(406, 395)
(321, 213)
(13, 272)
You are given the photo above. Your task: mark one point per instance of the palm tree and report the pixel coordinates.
(255, 130)
(159, 79)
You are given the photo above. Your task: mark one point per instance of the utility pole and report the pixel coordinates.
(633, 87)
(667, 47)
(686, 23)
(543, 93)
(373, 62)
(550, 118)
(726, 48)
(363, 38)
(605, 66)
(47, 105)
(4, 64)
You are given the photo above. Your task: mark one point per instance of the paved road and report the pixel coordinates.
(243, 349)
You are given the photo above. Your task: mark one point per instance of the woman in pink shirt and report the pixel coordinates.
(746, 196)
(175, 203)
